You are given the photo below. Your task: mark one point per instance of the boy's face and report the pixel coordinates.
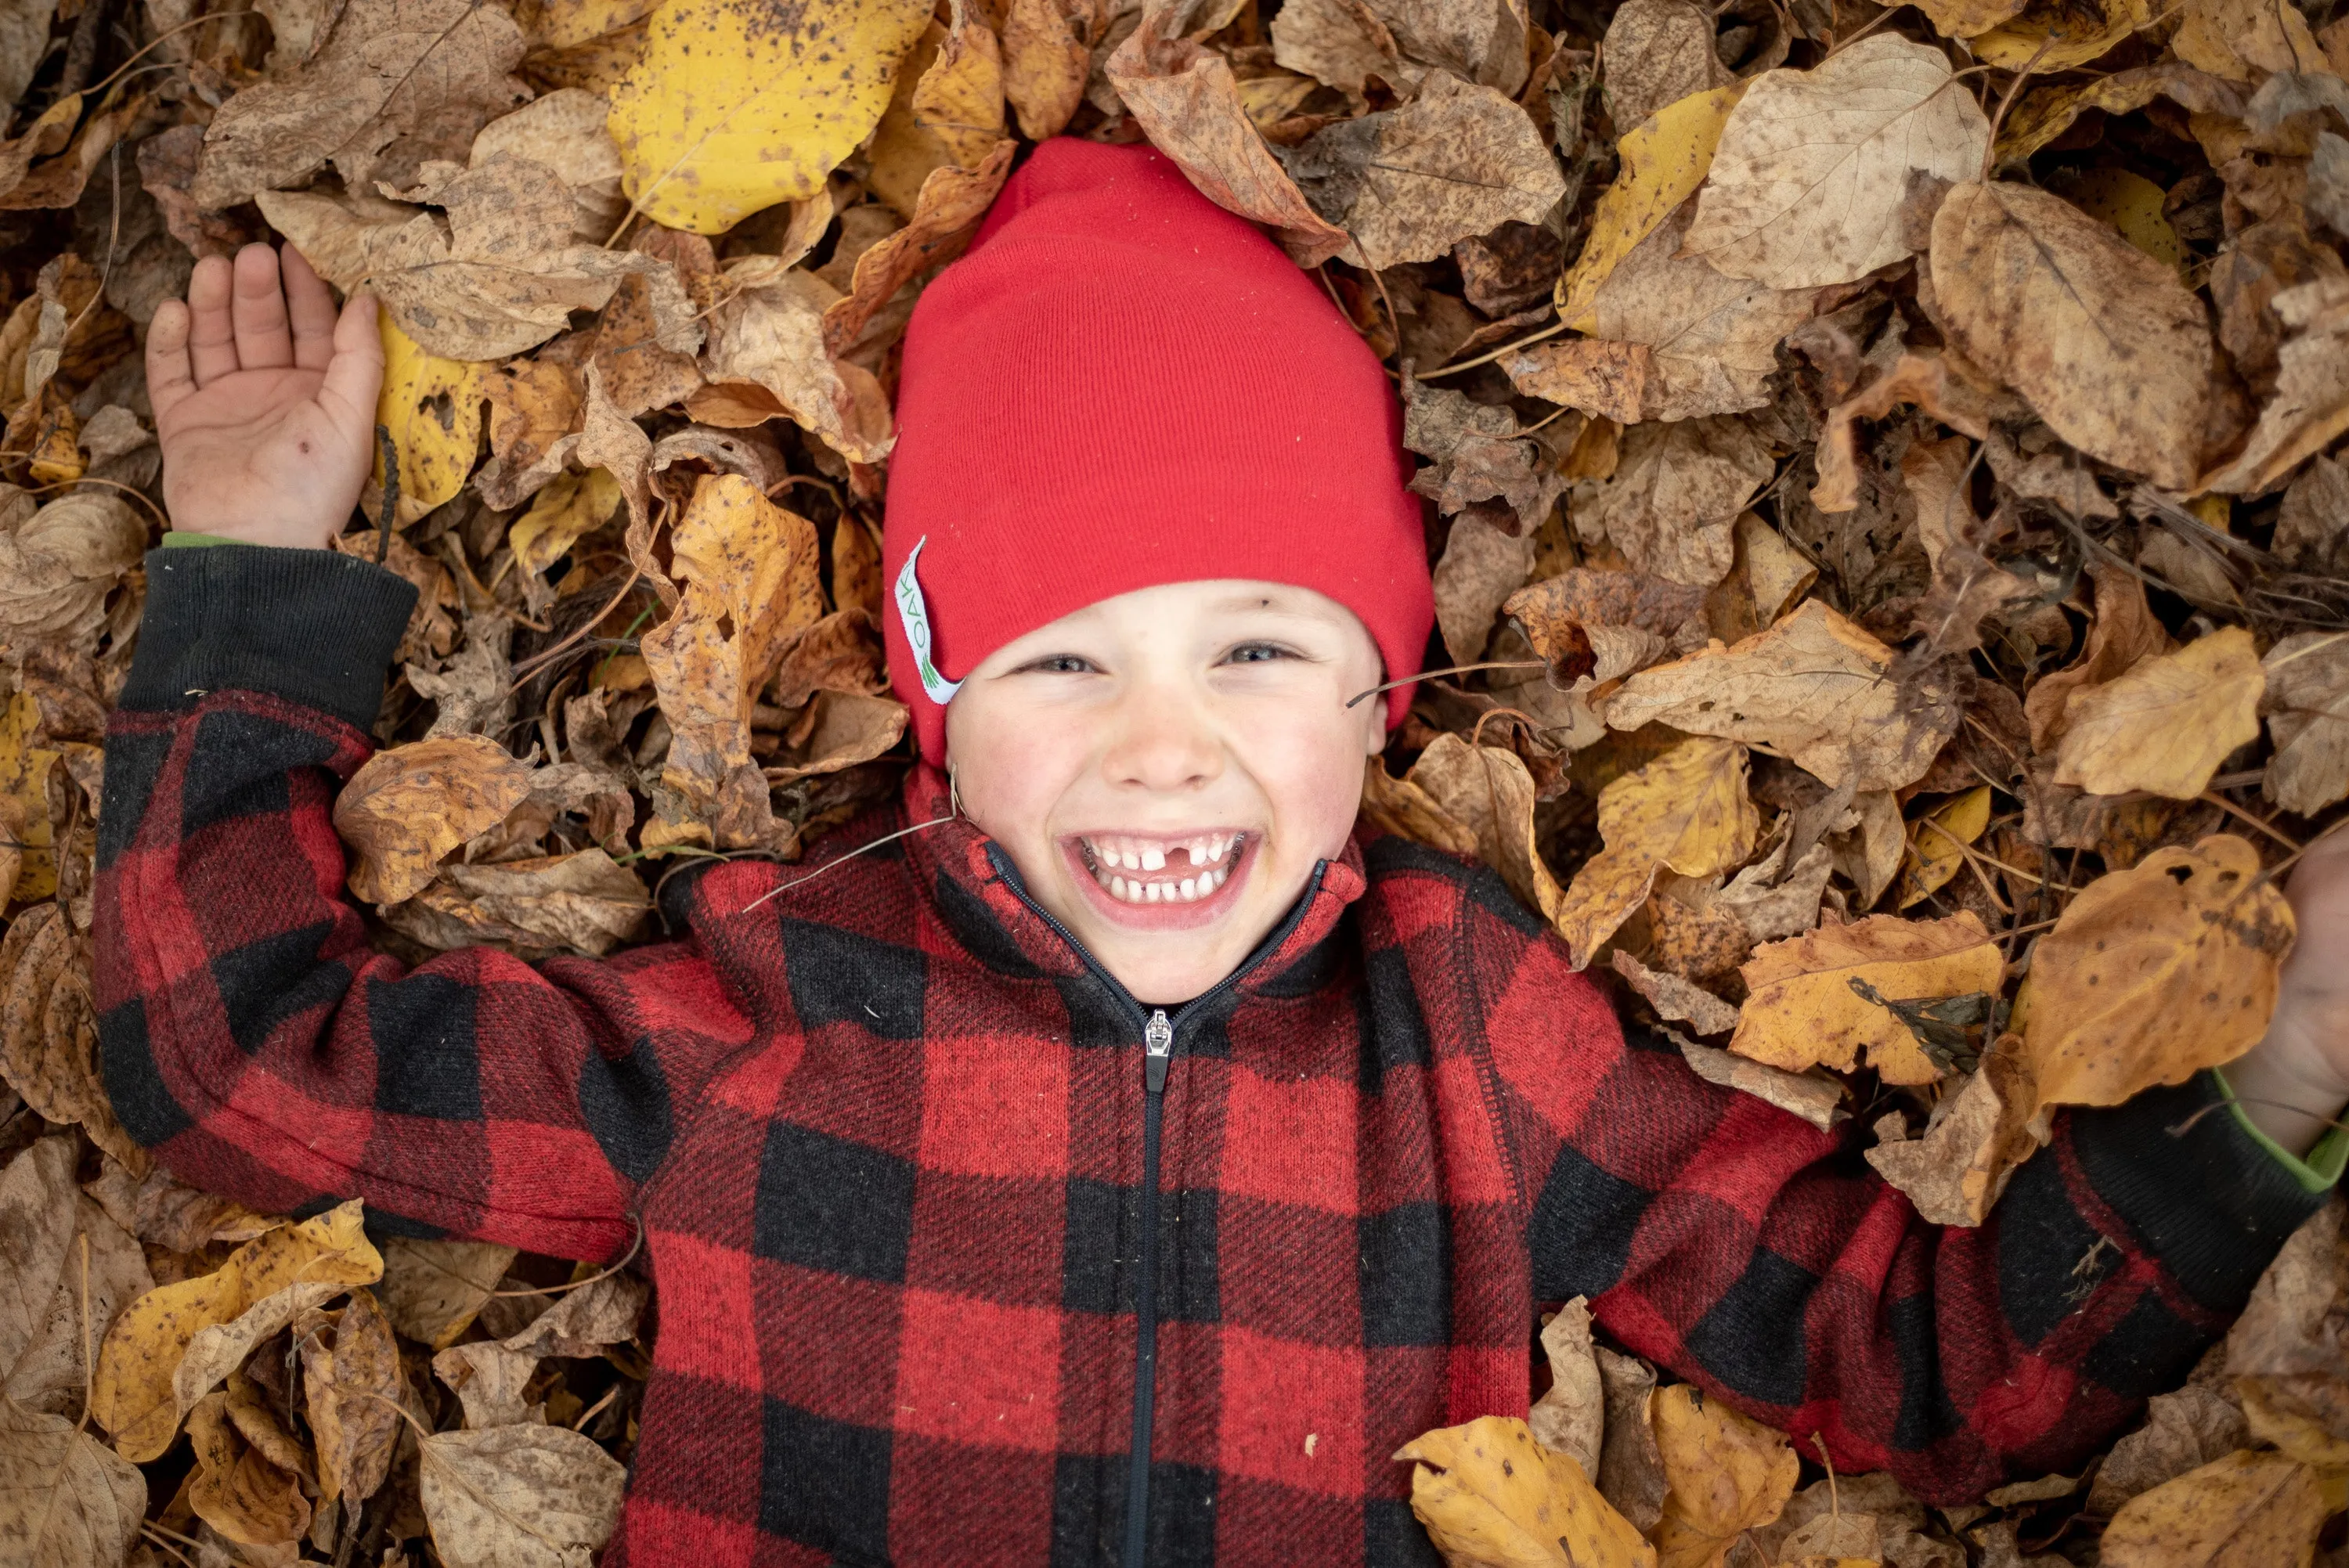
(1166, 766)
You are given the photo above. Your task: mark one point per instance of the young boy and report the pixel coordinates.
(1120, 1171)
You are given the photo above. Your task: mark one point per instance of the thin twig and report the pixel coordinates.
(88, 1371)
(625, 1258)
(2212, 798)
(1454, 670)
(589, 1414)
(533, 664)
(1550, 331)
(875, 844)
(141, 496)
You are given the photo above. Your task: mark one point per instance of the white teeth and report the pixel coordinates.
(1190, 887)
(1152, 857)
(1117, 887)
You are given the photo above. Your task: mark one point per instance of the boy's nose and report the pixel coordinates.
(1159, 740)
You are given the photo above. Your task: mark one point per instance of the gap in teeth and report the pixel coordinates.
(1109, 859)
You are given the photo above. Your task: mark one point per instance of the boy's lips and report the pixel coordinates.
(1160, 881)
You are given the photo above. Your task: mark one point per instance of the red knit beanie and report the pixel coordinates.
(1121, 385)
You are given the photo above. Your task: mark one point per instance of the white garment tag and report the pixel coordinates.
(914, 615)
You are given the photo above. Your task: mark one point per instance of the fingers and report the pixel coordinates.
(354, 373)
(212, 341)
(312, 309)
(257, 312)
(170, 380)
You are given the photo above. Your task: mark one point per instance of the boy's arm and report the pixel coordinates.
(1764, 1261)
(247, 1032)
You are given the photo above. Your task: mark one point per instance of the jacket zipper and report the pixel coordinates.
(1158, 1036)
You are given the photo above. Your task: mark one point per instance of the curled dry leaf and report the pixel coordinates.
(1803, 1010)
(750, 574)
(1674, 997)
(1570, 1417)
(1727, 1473)
(1686, 811)
(1806, 184)
(2182, 1431)
(1482, 566)
(2102, 340)
(352, 1381)
(2122, 633)
(1185, 96)
(1937, 843)
(236, 1490)
(2306, 700)
(2167, 723)
(1957, 1171)
(519, 1497)
(143, 1388)
(59, 564)
(730, 111)
(1488, 790)
(946, 212)
(765, 357)
(1664, 158)
(2155, 973)
(408, 807)
(581, 902)
(1492, 1497)
(946, 110)
(1814, 687)
(2311, 406)
(1813, 1096)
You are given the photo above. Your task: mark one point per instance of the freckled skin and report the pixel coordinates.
(1195, 707)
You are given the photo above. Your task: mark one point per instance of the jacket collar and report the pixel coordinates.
(969, 881)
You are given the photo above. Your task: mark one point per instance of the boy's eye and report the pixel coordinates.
(1257, 654)
(1060, 665)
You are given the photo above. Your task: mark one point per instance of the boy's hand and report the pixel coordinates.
(2296, 1079)
(265, 400)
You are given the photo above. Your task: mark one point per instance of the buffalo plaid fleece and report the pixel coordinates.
(887, 1135)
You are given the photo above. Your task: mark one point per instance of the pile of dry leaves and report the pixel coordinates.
(1878, 478)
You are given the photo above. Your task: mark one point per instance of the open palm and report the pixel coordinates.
(265, 400)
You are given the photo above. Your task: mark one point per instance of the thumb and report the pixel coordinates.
(354, 375)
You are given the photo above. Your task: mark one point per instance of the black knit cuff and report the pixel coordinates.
(310, 625)
(2208, 1203)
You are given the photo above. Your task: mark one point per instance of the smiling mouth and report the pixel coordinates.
(1140, 868)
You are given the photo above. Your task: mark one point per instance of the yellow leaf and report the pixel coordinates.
(1801, 1009)
(2168, 724)
(572, 505)
(2155, 973)
(1491, 1497)
(236, 1490)
(947, 111)
(1934, 847)
(133, 1396)
(408, 806)
(2051, 35)
(24, 789)
(1664, 159)
(1687, 810)
(433, 407)
(741, 104)
(751, 574)
(2131, 204)
(565, 24)
(1728, 1474)
(2246, 1510)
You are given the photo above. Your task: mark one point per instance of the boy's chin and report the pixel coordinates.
(1169, 953)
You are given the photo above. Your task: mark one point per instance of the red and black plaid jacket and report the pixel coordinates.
(886, 1134)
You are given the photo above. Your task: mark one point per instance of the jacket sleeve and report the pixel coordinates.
(249, 1036)
(1765, 1261)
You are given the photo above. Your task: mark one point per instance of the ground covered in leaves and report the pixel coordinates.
(1879, 473)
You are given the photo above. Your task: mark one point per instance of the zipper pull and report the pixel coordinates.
(1157, 1043)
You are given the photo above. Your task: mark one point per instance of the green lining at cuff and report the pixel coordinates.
(179, 539)
(2319, 1171)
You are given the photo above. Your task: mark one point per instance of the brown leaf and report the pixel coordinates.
(1686, 811)
(1657, 52)
(1570, 1417)
(2182, 1431)
(2122, 633)
(2154, 973)
(431, 1290)
(66, 1499)
(947, 213)
(946, 110)
(2167, 724)
(36, 1226)
(353, 1386)
(2244, 1510)
(1714, 338)
(1047, 55)
(408, 808)
(52, 1372)
(535, 404)
(1488, 790)
(1801, 1009)
(2311, 406)
(1674, 503)
(519, 1497)
(563, 130)
(765, 357)
(838, 730)
(236, 1490)
(59, 564)
(1410, 183)
(1923, 379)
(1956, 1171)
(1609, 379)
(1399, 807)
(1814, 687)
(1630, 1469)
(2102, 340)
(1813, 1096)
(1482, 566)
(396, 81)
(1675, 998)
(1342, 43)
(582, 902)
(1185, 97)
(2306, 702)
